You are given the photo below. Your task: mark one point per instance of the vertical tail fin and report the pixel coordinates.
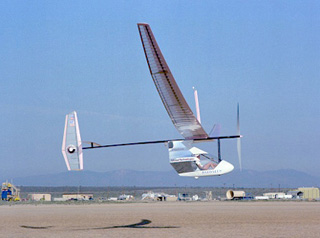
(71, 144)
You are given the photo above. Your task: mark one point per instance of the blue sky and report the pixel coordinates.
(60, 56)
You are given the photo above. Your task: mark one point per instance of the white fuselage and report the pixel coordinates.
(223, 167)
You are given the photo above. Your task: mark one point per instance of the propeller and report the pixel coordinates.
(238, 139)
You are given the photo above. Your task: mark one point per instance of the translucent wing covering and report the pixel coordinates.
(170, 94)
(71, 144)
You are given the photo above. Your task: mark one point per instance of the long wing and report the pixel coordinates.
(178, 109)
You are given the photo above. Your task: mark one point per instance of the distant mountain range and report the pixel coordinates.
(237, 179)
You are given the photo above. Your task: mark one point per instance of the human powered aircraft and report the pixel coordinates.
(184, 157)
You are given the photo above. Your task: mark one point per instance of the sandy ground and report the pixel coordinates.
(163, 219)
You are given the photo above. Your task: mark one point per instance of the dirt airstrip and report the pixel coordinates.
(163, 219)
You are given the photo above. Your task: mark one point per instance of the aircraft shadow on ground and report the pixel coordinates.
(140, 224)
(37, 227)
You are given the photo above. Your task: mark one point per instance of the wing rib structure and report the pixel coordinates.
(174, 102)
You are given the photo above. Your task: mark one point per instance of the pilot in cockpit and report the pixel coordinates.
(209, 165)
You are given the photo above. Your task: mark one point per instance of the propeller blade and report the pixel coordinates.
(238, 139)
(239, 152)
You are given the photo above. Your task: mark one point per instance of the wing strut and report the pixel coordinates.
(196, 99)
(219, 151)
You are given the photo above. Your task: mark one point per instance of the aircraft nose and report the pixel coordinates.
(227, 167)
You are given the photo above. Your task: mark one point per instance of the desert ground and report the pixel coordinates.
(162, 219)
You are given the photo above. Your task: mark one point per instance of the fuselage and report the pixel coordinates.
(223, 167)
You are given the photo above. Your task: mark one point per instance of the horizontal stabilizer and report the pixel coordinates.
(71, 144)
